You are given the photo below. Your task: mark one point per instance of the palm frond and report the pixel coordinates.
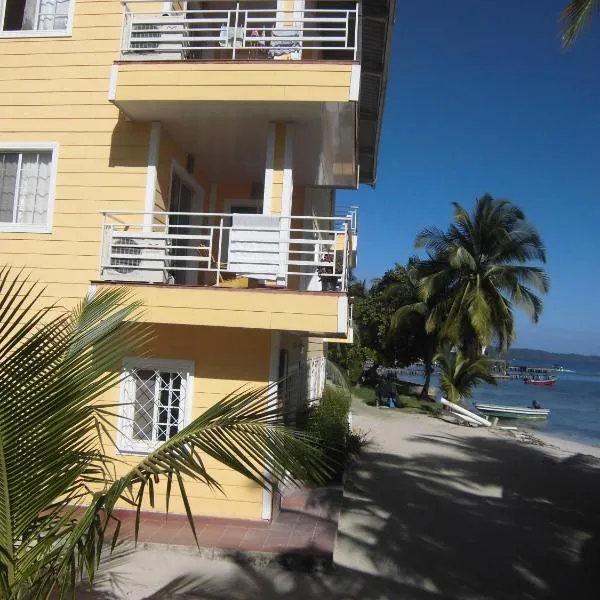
(575, 17)
(56, 365)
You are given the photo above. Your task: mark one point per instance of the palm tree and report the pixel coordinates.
(577, 15)
(459, 374)
(477, 271)
(54, 367)
(412, 316)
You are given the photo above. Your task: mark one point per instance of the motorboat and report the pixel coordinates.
(512, 412)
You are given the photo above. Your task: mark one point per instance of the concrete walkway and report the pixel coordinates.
(432, 511)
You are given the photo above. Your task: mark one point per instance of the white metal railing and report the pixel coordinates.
(238, 32)
(317, 368)
(210, 248)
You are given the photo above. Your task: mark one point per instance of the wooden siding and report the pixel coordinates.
(214, 351)
(268, 81)
(252, 309)
(56, 90)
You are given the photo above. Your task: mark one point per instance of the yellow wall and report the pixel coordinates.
(224, 361)
(169, 150)
(55, 90)
(253, 309)
(278, 168)
(264, 81)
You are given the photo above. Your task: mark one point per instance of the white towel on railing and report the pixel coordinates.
(254, 246)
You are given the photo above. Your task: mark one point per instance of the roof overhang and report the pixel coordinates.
(376, 44)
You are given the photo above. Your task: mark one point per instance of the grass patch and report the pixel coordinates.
(365, 393)
(412, 405)
(407, 402)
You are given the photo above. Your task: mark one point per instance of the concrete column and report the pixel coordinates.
(279, 186)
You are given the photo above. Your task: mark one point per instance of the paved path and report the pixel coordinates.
(432, 511)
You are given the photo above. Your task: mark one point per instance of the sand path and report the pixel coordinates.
(433, 510)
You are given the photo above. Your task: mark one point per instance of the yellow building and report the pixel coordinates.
(191, 151)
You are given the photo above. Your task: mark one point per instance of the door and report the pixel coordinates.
(181, 201)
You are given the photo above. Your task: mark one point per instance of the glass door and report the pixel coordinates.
(181, 201)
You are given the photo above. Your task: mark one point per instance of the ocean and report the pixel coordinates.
(574, 402)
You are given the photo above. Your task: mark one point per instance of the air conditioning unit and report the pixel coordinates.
(144, 259)
(164, 34)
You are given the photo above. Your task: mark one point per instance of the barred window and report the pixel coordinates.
(154, 400)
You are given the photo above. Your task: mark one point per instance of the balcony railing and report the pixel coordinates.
(151, 32)
(196, 249)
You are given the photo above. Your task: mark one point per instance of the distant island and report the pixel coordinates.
(528, 355)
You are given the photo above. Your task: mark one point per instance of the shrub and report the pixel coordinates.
(328, 421)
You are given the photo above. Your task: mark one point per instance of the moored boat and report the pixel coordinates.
(541, 382)
(512, 412)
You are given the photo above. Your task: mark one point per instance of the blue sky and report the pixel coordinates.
(482, 99)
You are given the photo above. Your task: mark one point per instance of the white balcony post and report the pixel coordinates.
(106, 244)
(219, 251)
(151, 175)
(126, 33)
(235, 29)
(357, 30)
(344, 282)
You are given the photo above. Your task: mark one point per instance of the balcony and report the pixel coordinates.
(239, 32)
(248, 64)
(288, 273)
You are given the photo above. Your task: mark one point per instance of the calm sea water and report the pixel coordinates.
(574, 403)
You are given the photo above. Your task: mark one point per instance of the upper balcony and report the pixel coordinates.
(289, 273)
(249, 30)
(262, 51)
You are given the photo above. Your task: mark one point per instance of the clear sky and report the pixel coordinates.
(482, 99)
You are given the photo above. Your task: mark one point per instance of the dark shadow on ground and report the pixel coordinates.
(483, 518)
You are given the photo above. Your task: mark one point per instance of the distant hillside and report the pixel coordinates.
(540, 356)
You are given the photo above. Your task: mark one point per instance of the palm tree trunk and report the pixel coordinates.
(428, 360)
(471, 346)
(428, 373)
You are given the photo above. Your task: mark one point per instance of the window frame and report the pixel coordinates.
(39, 33)
(127, 446)
(22, 147)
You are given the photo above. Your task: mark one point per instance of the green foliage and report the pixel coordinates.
(55, 365)
(328, 422)
(409, 320)
(365, 393)
(351, 358)
(413, 405)
(373, 316)
(460, 374)
(575, 17)
(407, 402)
(477, 271)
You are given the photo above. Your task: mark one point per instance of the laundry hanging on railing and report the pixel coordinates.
(284, 42)
(254, 244)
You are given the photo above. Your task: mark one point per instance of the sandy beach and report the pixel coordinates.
(431, 510)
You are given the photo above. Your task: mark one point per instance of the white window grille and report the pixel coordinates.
(26, 182)
(155, 403)
(35, 15)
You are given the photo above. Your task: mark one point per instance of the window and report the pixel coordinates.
(155, 397)
(27, 179)
(35, 15)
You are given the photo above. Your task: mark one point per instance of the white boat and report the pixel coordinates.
(512, 412)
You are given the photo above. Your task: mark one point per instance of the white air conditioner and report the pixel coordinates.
(144, 259)
(165, 32)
